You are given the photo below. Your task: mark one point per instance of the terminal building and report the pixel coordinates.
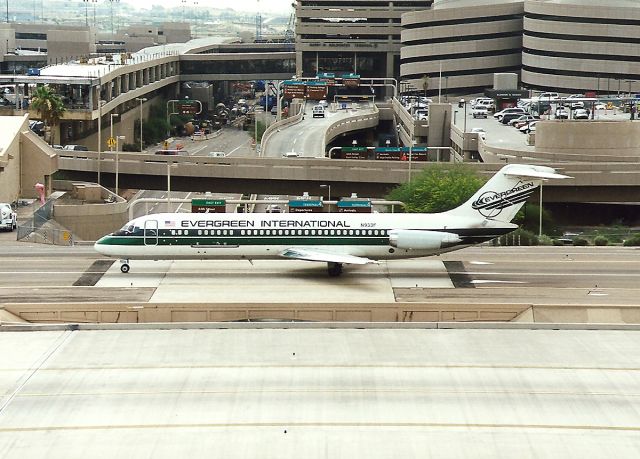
(554, 45)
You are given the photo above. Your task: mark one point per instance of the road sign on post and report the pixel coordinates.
(208, 206)
(111, 142)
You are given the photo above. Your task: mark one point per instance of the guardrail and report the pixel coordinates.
(279, 125)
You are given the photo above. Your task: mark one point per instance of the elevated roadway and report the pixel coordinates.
(593, 182)
(310, 136)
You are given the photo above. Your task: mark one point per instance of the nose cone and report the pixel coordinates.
(100, 245)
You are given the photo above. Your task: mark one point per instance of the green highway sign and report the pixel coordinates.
(354, 149)
(208, 202)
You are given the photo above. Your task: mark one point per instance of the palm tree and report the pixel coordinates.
(49, 106)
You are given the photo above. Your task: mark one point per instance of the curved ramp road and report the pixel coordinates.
(306, 138)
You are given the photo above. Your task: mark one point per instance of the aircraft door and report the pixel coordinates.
(151, 232)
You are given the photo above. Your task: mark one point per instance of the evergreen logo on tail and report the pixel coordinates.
(491, 203)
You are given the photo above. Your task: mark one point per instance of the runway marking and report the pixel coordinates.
(487, 281)
(359, 425)
(332, 390)
(239, 146)
(94, 273)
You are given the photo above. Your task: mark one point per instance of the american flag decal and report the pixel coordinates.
(169, 223)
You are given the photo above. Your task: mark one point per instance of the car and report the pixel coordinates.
(487, 103)
(600, 106)
(217, 154)
(576, 104)
(422, 114)
(480, 112)
(521, 119)
(509, 110)
(529, 127)
(8, 217)
(318, 111)
(480, 131)
(547, 95)
(581, 114)
(324, 103)
(562, 113)
(274, 110)
(75, 148)
(290, 154)
(480, 101)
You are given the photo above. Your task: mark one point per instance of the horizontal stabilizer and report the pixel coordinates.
(529, 172)
(301, 253)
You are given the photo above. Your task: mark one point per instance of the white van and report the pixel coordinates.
(318, 111)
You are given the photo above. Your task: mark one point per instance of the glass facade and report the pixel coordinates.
(367, 65)
(248, 66)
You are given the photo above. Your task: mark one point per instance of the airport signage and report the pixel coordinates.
(329, 78)
(353, 149)
(294, 90)
(506, 93)
(203, 206)
(188, 107)
(351, 80)
(354, 206)
(316, 90)
(305, 206)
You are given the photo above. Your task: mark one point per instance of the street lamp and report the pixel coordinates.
(111, 131)
(257, 109)
(413, 142)
(141, 100)
(120, 137)
(329, 190)
(100, 104)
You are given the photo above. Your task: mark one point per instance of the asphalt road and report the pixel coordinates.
(570, 275)
(306, 138)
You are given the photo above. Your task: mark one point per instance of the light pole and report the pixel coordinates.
(86, 12)
(257, 110)
(141, 100)
(328, 189)
(118, 138)
(410, 152)
(100, 104)
(111, 131)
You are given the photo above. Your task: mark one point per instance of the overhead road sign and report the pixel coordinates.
(305, 206)
(208, 206)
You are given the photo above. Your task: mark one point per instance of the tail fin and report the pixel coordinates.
(506, 192)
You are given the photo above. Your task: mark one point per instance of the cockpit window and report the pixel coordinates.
(128, 230)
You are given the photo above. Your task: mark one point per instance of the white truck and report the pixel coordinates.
(8, 218)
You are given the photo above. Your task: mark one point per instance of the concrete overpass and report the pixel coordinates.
(593, 182)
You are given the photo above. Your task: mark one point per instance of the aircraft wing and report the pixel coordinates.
(302, 253)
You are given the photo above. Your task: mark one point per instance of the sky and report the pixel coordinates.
(272, 6)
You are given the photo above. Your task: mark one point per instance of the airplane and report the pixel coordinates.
(333, 238)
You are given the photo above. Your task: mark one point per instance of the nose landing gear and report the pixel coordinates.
(124, 267)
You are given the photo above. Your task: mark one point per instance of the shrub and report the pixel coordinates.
(519, 237)
(601, 241)
(545, 240)
(632, 241)
(580, 241)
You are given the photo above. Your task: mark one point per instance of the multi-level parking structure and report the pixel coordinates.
(577, 45)
(464, 42)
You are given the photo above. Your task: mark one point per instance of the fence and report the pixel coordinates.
(33, 230)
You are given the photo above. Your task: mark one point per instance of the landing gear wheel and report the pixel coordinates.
(334, 269)
(125, 268)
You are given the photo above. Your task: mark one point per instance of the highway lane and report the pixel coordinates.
(572, 275)
(306, 138)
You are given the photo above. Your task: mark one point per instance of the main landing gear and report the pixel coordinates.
(124, 267)
(334, 269)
